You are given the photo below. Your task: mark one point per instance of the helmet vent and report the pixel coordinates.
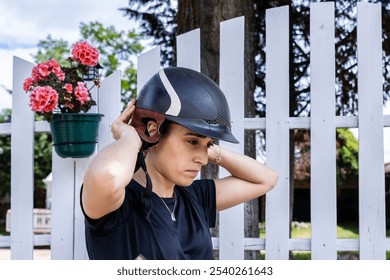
(222, 117)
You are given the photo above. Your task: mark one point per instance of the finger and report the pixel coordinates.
(127, 112)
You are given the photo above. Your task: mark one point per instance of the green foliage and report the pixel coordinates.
(5, 115)
(347, 155)
(116, 50)
(157, 21)
(42, 157)
(129, 84)
(114, 46)
(5, 156)
(51, 48)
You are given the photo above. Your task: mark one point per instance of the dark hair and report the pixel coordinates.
(165, 126)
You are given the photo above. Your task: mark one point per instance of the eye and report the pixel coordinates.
(210, 144)
(193, 142)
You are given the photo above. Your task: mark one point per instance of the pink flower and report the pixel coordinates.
(68, 88)
(52, 86)
(43, 70)
(27, 84)
(85, 54)
(43, 99)
(81, 93)
(56, 69)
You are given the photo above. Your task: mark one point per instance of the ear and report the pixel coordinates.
(152, 128)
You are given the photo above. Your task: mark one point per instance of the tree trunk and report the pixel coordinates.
(207, 15)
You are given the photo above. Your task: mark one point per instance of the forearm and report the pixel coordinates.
(249, 178)
(243, 167)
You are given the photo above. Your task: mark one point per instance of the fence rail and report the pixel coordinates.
(67, 236)
(249, 124)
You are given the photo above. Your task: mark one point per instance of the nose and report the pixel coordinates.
(201, 157)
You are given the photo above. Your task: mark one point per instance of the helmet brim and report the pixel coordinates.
(214, 131)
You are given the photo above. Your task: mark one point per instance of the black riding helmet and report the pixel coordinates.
(185, 97)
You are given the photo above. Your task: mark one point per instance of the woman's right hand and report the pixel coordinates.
(121, 126)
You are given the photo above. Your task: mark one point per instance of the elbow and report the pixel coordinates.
(275, 178)
(103, 178)
(272, 180)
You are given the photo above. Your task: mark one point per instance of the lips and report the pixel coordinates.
(193, 173)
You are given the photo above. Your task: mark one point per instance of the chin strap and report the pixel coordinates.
(141, 163)
(145, 196)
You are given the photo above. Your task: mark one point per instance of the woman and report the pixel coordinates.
(139, 195)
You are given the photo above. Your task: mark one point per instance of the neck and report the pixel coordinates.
(160, 187)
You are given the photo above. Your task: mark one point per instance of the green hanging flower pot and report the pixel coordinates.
(75, 134)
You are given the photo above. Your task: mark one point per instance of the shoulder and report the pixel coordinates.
(199, 186)
(201, 195)
(200, 190)
(132, 200)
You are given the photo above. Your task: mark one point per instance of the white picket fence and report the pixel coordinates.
(67, 235)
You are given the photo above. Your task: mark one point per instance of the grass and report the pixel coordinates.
(303, 230)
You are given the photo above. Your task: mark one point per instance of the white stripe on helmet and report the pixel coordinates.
(175, 107)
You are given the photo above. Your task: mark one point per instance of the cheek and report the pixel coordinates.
(174, 153)
(173, 165)
(168, 159)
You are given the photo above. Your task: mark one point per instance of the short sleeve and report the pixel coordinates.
(108, 221)
(203, 191)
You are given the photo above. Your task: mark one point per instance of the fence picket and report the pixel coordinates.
(62, 211)
(323, 132)
(231, 77)
(109, 104)
(22, 165)
(188, 50)
(372, 227)
(148, 64)
(277, 138)
(188, 53)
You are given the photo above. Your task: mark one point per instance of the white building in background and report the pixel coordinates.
(48, 180)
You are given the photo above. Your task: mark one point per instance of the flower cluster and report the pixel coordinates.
(53, 87)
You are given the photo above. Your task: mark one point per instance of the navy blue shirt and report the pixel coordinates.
(143, 226)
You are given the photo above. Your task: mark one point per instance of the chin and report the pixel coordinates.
(184, 182)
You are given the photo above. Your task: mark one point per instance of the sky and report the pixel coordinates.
(24, 22)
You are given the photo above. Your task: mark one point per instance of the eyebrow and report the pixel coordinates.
(199, 135)
(195, 134)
